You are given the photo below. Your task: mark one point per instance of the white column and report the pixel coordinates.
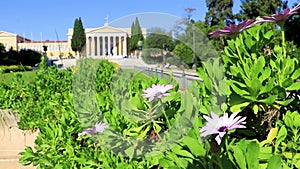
(108, 46)
(120, 45)
(87, 46)
(93, 46)
(115, 46)
(98, 45)
(103, 46)
(125, 45)
(112, 43)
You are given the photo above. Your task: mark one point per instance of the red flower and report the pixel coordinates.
(279, 18)
(232, 29)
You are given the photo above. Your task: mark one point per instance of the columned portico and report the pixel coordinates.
(106, 42)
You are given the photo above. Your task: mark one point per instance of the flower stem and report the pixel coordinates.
(168, 122)
(283, 40)
(167, 119)
(226, 144)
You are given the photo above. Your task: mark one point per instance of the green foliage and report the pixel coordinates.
(136, 35)
(160, 41)
(24, 57)
(185, 54)
(291, 26)
(195, 39)
(14, 68)
(219, 12)
(254, 76)
(78, 38)
(259, 81)
(251, 9)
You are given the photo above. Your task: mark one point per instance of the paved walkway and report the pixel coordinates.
(123, 62)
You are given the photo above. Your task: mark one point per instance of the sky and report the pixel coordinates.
(51, 19)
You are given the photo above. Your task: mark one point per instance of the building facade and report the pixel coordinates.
(16, 42)
(105, 41)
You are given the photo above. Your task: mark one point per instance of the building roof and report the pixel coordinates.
(3, 33)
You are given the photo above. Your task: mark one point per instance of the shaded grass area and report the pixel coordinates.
(26, 76)
(30, 75)
(136, 74)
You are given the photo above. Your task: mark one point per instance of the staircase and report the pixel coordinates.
(13, 141)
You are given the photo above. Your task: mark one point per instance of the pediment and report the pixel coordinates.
(106, 29)
(3, 33)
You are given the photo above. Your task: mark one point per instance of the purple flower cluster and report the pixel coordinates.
(233, 29)
(97, 128)
(221, 125)
(157, 91)
(281, 17)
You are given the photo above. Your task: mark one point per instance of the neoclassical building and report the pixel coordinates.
(106, 41)
(102, 42)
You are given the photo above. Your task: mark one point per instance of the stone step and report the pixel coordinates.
(13, 163)
(13, 141)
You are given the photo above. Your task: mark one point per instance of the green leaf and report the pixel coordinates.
(239, 156)
(268, 35)
(137, 102)
(268, 87)
(249, 42)
(296, 74)
(207, 82)
(135, 131)
(157, 127)
(255, 109)
(239, 90)
(297, 164)
(258, 67)
(194, 146)
(275, 162)
(239, 107)
(269, 100)
(184, 153)
(285, 102)
(288, 120)
(255, 87)
(252, 155)
(281, 136)
(294, 86)
(287, 82)
(296, 120)
(265, 74)
(165, 163)
(280, 91)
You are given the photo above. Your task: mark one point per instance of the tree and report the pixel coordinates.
(292, 27)
(136, 35)
(185, 54)
(219, 12)
(251, 9)
(159, 40)
(78, 38)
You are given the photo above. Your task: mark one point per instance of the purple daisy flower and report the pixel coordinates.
(98, 127)
(221, 125)
(279, 18)
(157, 91)
(232, 29)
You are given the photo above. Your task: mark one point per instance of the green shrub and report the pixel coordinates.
(15, 68)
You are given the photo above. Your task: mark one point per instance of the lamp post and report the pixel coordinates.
(194, 47)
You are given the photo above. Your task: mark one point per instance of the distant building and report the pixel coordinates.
(105, 41)
(16, 42)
